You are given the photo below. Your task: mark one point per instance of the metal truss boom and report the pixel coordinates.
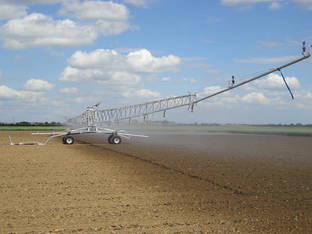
(94, 116)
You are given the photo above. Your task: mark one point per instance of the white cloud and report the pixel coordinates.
(267, 60)
(142, 93)
(122, 78)
(109, 18)
(8, 93)
(108, 28)
(256, 97)
(136, 61)
(37, 30)
(210, 90)
(69, 90)
(38, 85)
(77, 75)
(94, 10)
(229, 99)
(275, 81)
(143, 61)
(96, 75)
(119, 71)
(9, 11)
(100, 58)
(303, 99)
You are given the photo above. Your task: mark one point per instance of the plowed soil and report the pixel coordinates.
(169, 183)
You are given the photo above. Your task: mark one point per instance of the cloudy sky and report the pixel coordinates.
(58, 56)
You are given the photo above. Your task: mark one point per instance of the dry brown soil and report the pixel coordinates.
(172, 183)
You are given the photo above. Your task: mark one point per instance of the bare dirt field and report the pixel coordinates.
(168, 183)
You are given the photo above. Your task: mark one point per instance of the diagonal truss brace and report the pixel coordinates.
(93, 116)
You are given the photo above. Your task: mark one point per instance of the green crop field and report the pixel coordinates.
(32, 128)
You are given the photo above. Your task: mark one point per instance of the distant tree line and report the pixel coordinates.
(25, 123)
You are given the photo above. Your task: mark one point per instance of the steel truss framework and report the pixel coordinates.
(93, 116)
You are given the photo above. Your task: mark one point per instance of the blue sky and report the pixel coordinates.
(59, 56)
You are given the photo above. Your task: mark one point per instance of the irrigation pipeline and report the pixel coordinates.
(254, 78)
(93, 116)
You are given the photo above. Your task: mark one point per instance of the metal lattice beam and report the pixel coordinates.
(93, 116)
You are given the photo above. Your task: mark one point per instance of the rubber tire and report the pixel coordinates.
(63, 139)
(109, 139)
(115, 140)
(68, 140)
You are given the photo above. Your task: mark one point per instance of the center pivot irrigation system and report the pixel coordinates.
(94, 118)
